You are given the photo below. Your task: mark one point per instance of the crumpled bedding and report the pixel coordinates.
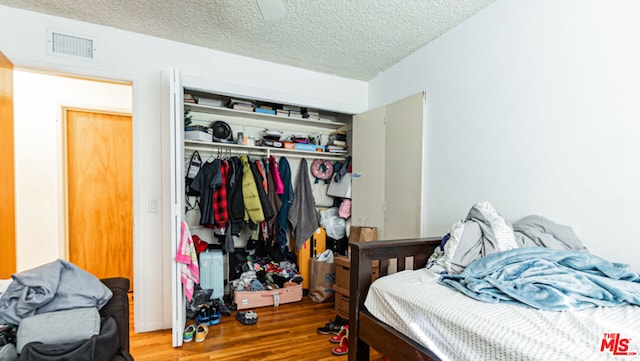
(484, 231)
(547, 279)
(55, 286)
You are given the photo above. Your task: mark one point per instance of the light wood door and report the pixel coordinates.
(99, 188)
(7, 174)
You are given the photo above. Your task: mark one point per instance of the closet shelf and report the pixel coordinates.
(248, 149)
(234, 112)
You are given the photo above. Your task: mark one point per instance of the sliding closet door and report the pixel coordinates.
(403, 187)
(7, 175)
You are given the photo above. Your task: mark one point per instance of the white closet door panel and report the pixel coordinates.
(368, 150)
(404, 163)
(176, 107)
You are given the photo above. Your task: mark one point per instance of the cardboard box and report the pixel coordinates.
(253, 299)
(343, 269)
(289, 145)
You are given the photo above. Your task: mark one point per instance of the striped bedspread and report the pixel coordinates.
(456, 327)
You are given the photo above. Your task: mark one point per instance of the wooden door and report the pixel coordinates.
(99, 188)
(7, 174)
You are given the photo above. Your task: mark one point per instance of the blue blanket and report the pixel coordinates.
(547, 279)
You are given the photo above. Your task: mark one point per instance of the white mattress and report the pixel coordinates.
(457, 327)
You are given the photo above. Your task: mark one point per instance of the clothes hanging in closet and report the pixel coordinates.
(205, 182)
(235, 199)
(252, 206)
(303, 215)
(287, 198)
(272, 179)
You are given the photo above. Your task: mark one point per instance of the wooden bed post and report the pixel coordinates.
(382, 337)
(360, 280)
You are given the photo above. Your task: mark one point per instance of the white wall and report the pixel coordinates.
(145, 62)
(38, 102)
(533, 106)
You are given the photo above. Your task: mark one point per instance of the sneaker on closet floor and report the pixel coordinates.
(214, 316)
(203, 316)
(220, 305)
(201, 332)
(189, 332)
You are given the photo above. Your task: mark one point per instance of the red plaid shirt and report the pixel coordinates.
(220, 209)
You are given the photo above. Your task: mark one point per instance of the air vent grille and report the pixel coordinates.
(71, 45)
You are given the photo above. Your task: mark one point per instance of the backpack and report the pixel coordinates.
(191, 171)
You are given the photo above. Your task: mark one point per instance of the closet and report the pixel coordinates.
(252, 127)
(387, 144)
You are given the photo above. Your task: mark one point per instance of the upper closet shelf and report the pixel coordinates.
(232, 148)
(289, 120)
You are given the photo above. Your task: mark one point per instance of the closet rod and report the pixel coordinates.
(270, 151)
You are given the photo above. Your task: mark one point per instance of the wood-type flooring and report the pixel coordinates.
(286, 332)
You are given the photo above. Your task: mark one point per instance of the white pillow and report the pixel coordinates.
(455, 234)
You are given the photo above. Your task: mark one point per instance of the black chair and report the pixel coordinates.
(112, 344)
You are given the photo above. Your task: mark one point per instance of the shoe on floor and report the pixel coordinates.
(214, 316)
(333, 326)
(344, 332)
(341, 321)
(220, 305)
(189, 331)
(343, 348)
(247, 318)
(201, 332)
(203, 315)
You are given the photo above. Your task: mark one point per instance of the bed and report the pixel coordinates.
(607, 332)
(366, 330)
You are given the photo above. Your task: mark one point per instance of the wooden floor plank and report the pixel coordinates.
(286, 332)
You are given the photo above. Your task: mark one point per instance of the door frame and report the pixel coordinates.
(63, 171)
(8, 237)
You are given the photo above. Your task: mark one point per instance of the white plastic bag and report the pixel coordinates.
(333, 223)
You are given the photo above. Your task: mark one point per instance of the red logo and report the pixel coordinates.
(615, 344)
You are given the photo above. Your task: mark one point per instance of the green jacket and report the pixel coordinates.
(252, 206)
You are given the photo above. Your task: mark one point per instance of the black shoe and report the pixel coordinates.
(330, 328)
(341, 321)
(222, 307)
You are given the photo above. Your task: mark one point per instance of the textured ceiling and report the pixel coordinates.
(350, 38)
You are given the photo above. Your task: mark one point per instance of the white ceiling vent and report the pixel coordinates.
(71, 45)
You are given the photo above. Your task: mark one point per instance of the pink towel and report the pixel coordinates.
(187, 257)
